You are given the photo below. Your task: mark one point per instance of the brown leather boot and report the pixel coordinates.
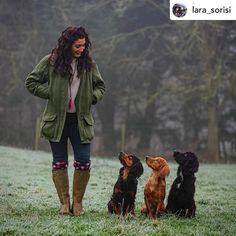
(61, 181)
(81, 178)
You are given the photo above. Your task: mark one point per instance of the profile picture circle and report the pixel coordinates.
(179, 10)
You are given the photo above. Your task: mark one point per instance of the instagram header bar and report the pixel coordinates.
(203, 9)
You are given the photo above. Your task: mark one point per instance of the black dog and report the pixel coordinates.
(124, 192)
(181, 196)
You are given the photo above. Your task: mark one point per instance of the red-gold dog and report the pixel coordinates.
(155, 188)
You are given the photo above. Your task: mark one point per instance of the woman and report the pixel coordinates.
(70, 81)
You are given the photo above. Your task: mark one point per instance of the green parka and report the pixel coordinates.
(45, 83)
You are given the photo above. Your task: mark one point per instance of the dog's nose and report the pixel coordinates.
(176, 154)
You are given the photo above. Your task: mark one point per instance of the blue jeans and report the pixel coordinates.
(60, 149)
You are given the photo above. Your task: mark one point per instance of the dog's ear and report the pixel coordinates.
(194, 163)
(195, 166)
(164, 171)
(137, 170)
(121, 171)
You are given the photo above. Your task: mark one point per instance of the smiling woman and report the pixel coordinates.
(70, 81)
(78, 47)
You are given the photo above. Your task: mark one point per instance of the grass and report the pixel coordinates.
(29, 204)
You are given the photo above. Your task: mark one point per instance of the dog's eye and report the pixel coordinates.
(130, 157)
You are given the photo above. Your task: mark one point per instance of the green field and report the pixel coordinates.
(29, 204)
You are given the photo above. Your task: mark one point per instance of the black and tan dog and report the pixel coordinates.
(124, 192)
(181, 196)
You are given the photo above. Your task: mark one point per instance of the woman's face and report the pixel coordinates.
(78, 47)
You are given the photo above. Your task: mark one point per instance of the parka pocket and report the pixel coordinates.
(89, 120)
(88, 127)
(48, 125)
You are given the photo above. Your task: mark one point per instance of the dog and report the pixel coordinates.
(180, 200)
(123, 198)
(155, 188)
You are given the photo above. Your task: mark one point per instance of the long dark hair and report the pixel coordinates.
(61, 56)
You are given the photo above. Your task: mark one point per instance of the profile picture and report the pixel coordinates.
(179, 10)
